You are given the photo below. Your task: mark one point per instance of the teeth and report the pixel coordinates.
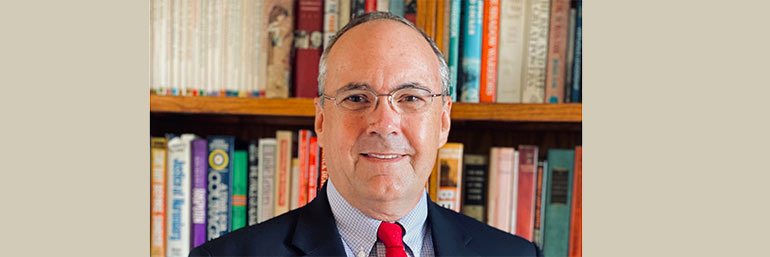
(388, 156)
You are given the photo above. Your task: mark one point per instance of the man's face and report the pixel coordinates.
(381, 155)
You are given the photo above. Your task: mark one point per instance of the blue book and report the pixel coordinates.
(473, 14)
(454, 46)
(397, 7)
(220, 159)
(577, 80)
(558, 199)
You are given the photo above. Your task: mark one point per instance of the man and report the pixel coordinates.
(381, 116)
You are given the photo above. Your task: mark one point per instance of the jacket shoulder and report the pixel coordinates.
(490, 241)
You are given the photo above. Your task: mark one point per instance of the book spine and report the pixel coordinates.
(178, 200)
(439, 26)
(331, 22)
(454, 47)
(489, 51)
(538, 220)
(323, 174)
(410, 11)
(344, 14)
(357, 7)
(383, 5)
(420, 14)
(558, 200)
(577, 80)
(371, 5)
(576, 214)
(308, 38)
(447, 12)
(557, 51)
(199, 172)
(158, 152)
(570, 54)
(450, 158)
(525, 203)
(295, 187)
(279, 28)
(312, 178)
(514, 192)
(266, 176)
(533, 90)
(510, 49)
(283, 171)
(501, 161)
(253, 202)
(397, 7)
(430, 19)
(240, 177)
(474, 197)
(303, 152)
(471, 50)
(220, 158)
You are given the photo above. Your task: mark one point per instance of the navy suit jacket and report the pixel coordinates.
(311, 231)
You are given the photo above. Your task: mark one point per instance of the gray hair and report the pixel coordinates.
(443, 69)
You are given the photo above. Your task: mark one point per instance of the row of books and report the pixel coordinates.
(515, 191)
(514, 51)
(205, 188)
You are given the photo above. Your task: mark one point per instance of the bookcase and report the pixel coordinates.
(478, 126)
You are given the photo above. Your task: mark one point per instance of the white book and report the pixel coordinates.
(344, 13)
(283, 171)
(266, 167)
(383, 5)
(511, 51)
(294, 192)
(533, 83)
(331, 18)
(178, 196)
(514, 191)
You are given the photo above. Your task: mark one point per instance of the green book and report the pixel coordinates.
(240, 176)
(558, 200)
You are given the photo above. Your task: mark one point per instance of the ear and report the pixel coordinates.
(446, 121)
(319, 120)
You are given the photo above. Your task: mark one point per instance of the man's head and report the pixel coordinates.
(387, 151)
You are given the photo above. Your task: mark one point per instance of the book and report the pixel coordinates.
(158, 151)
(357, 7)
(253, 196)
(199, 178)
(474, 189)
(510, 51)
(558, 198)
(421, 13)
(557, 51)
(344, 14)
(577, 79)
(371, 5)
(454, 47)
(313, 172)
(331, 20)
(266, 198)
(397, 7)
(303, 154)
(430, 19)
(525, 203)
(294, 192)
(308, 40)
(539, 203)
(472, 15)
(220, 157)
(570, 53)
(489, 56)
(240, 178)
(410, 11)
(514, 193)
(576, 212)
(533, 77)
(450, 165)
(383, 5)
(279, 27)
(323, 174)
(443, 11)
(283, 171)
(178, 197)
(499, 193)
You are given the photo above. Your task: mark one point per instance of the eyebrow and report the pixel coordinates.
(365, 86)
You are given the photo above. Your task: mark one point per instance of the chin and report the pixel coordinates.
(385, 188)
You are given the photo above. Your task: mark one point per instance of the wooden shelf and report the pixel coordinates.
(303, 107)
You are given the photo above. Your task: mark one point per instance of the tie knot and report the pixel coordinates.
(390, 234)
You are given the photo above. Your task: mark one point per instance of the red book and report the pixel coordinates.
(312, 180)
(556, 71)
(308, 39)
(576, 217)
(323, 174)
(371, 5)
(525, 208)
(491, 29)
(303, 151)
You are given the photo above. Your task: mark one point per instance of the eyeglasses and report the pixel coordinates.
(404, 100)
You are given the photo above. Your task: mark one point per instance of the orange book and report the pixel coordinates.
(450, 174)
(489, 51)
(576, 217)
(158, 146)
(430, 19)
(439, 31)
(421, 13)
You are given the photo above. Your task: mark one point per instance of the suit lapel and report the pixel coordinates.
(449, 239)
(316, 231)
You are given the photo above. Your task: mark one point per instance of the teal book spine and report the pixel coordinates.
(238, 201)
(473, 14)
(396, 7)
(561, 163)
(454, 47)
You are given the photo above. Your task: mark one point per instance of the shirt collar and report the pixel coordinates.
(359, 231)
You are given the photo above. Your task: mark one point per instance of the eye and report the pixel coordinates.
(356, 98)
(411, 98)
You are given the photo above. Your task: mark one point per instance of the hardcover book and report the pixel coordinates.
(577, 79)
(323, 174)
(525, 204)
(450, 163)
(314, 161)
(511, 51)
(303, 154)
(199, 174)
(557, 51)
(283, 171)
(397, 7)
(266, 198)
(240, 176)
(454, 47)
(344, 13)
(489, 42)
(178, 197)
(220, 160)
(514, 193)
(383, 5)
(253, 196)
(576, 213)
(539, 201)
(570, 53)
(500, 188)
(558, 198)
(279, 27)
(410, 11)
(533, 90)
(357, 7)
(331, 20)
(158, 150)
(308, 40)
(294, 192)
(473, 14)
(474, 195)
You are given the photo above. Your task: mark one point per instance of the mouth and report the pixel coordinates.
(383, 157)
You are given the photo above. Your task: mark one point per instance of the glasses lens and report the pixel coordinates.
(356, 100)
(412, 99)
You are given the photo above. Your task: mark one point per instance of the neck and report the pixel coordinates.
(389, 210)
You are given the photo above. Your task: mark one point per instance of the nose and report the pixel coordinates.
(383, 120)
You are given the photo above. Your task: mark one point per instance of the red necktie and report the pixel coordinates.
(390, 235)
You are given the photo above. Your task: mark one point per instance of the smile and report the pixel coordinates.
(383, 157)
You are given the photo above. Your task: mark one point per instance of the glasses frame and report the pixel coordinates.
(377, 98)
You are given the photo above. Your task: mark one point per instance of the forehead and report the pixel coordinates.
(383, 54)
